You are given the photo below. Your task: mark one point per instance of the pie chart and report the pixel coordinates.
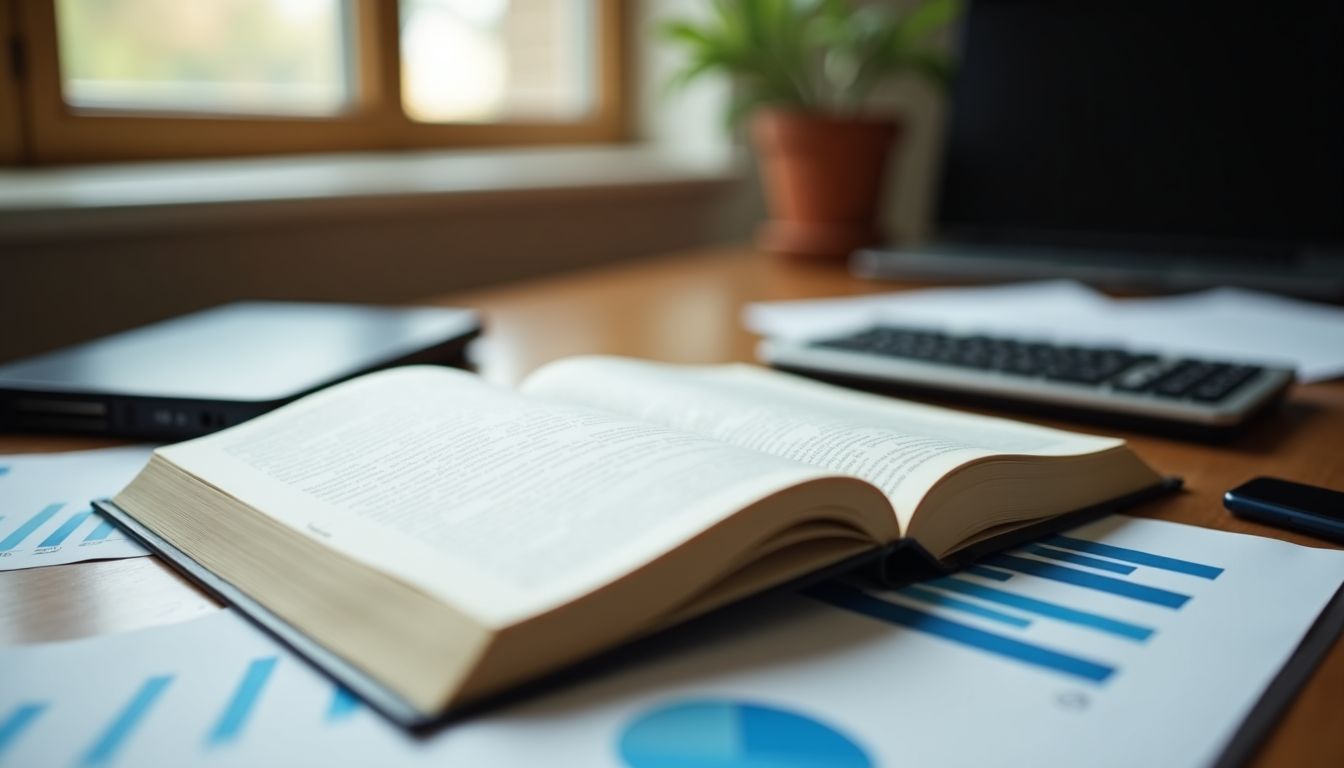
(723, 733)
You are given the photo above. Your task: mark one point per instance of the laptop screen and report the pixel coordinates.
(1203, 125)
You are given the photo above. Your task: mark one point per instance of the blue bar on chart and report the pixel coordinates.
(988, 573)
(344, 703)
(915, 592)
(1137, 557)
(26, 529)
(1044, 608)
(59, 535)
(104, 528)
(16, 722)
(4, 471)
(1119, 587)
(231, 722)
(852, 599)
(119, 731)
(1083, 560)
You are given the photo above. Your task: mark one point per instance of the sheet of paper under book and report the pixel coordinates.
(1053, 654)
(490, 537)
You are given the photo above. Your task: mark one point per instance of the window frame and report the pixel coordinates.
(11, 125)
(57, 133)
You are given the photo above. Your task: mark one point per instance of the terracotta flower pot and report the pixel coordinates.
(823, 180)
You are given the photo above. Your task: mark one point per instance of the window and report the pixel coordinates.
(484, 61)
(130, 79)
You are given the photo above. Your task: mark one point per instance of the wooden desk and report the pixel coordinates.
(686, 308)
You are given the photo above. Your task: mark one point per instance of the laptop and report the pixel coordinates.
(199, 373)
(1142, 145)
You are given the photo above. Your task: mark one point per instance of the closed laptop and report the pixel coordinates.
(200, 372)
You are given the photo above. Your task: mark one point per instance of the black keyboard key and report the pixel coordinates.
(1141, 374)
(1071, 367)
(1113, 361)
(1224, 383)
(1183, 377)
(1021, 364)
(1088, 366)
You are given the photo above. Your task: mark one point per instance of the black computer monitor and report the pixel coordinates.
(1189, 129)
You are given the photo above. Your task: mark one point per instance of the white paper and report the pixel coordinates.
(45, 517)
(1222, 324)
(895, 695)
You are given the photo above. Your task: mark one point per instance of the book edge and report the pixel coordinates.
(381, 698)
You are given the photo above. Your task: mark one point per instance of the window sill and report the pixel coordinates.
(145, 241)
(162, 196)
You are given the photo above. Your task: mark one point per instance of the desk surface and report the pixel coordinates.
(686, 308)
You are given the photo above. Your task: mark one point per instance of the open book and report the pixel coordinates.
(446, 539)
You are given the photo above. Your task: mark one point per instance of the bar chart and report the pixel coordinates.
(989, 592)
(35, 531)
(154, 695)
(45, 514)
(1056, 653)
(54, 526)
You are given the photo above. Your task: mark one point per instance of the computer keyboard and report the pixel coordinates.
(1172, 394)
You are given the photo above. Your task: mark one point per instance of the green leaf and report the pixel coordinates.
(821, 55)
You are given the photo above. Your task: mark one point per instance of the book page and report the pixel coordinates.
(901, 447)
(500, 504)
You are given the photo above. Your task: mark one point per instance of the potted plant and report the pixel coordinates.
(804, 72)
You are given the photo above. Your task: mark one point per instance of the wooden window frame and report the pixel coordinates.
(53, 132)
(11, 107)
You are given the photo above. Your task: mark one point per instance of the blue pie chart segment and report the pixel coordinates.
(721, 733)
